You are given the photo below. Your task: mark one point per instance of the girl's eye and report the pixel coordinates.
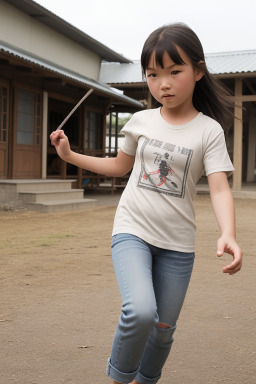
(152, 75)
(175, 72)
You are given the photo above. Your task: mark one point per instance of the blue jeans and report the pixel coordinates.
(153, 283)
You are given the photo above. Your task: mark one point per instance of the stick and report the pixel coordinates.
(75, 108)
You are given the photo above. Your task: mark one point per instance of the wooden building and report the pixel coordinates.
(46, 66)
(237, 70)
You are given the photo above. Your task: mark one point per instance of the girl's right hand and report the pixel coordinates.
(61, 143)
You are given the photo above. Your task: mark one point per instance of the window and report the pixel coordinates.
(93, 133)
(28, 118)
(114, 123)
(3, 115)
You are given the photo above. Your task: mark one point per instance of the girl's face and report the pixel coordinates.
(173, 85)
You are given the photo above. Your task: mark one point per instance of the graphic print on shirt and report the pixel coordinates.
(164, 167)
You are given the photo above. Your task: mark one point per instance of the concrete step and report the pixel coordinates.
(43, 195)
(47, 196)
(41, 185)
(64, 205)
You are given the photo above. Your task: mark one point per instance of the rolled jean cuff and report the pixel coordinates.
(121, 377)
(144, 380)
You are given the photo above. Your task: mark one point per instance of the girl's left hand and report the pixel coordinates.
(230, 246)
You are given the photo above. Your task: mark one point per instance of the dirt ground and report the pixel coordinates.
(59, 301)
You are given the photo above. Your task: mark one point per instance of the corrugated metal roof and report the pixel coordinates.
(97, 86)
(113, 73)
(231, 62)
(55, 22)
(121, 73)
(218, 63)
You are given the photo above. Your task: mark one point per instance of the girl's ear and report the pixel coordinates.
(200, 70)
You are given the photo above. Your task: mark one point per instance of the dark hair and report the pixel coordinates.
(210, 96)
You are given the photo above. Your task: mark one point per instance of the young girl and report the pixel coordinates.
(154, 229)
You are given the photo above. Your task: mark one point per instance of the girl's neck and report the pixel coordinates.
(177, 117)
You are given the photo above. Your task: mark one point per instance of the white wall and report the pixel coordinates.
(28, 34)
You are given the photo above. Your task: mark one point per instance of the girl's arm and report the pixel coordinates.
(223, 206)
(116, 166)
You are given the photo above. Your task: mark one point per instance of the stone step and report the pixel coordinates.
(64, 205)
(47, 196)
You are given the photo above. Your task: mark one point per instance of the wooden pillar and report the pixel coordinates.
(149, 101)
(63, 169)
(104, 134)
(110, 133)
(106, 127)
(238, 136)
(116, 134)
(44, 135)
(79, 178)
(251, 148)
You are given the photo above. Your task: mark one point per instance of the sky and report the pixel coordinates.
(123, 26)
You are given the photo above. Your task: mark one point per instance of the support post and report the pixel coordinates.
(238, 136)
(110, 133)
(251, 148)
(44, 135)
(149, 101)
(116, 134)
(79, 178)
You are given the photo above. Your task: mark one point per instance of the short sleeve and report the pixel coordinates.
(130, 142)
(216, 157)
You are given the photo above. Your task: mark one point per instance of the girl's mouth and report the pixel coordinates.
(168, 96)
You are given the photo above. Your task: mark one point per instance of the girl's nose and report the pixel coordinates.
(165, 84)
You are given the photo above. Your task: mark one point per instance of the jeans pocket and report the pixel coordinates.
(119, 237)
(113, 240)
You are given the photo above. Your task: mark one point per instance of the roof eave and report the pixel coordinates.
(229, 75)
(74, 77)
(129, 85)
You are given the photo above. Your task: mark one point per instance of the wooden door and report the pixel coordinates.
(4, 128)
(27, 135)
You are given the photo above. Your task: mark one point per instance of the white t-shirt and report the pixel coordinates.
(157, 203)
